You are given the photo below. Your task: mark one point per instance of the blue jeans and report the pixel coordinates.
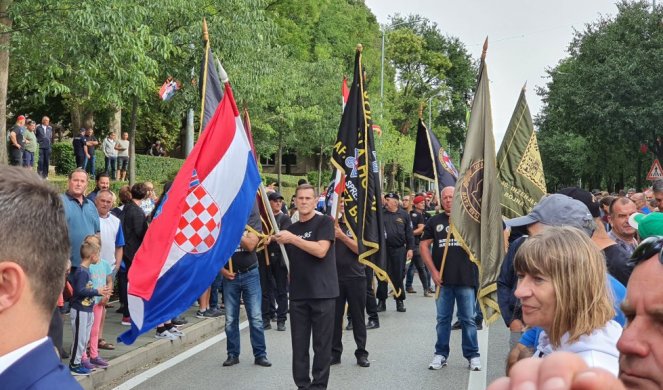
(214, 293)
(109, 166)
(465, 299)
(88, 164)
(246, 285)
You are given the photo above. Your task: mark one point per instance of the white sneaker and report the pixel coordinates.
(475, 364)
(438, 362)
(176, 332)
(165, 335)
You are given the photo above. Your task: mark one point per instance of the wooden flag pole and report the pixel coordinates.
(444, 260)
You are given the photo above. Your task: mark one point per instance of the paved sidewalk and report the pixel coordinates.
(127, 360)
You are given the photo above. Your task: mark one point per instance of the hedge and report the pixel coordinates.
(151, 168)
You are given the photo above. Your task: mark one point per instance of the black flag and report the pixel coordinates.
(354, 155)
(431, 161)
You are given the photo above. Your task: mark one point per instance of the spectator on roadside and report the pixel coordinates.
(33, 277)
(44, 134)
(110, 155)
(82, 304)
(622, 232)
(78, 144)
(150, 199)
(134, 227)
(157, 149)
(30, 145)
(89, 148)
(17, 142)
(103, 183)
(122, 147)
(82, 216)
(101, 276)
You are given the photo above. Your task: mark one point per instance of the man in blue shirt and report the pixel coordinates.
(81, 214)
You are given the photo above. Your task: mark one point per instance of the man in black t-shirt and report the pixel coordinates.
(274, 277)
(352, 289)
(400, 245)
(16, 145)
(418, 219)
(457, 281)
(89, 147)
(313, 289)
(241, 279)
(79, 148)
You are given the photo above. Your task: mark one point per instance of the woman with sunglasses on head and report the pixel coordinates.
(563, 289)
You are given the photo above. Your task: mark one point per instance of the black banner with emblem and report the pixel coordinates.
(431, 161)
(354, 155)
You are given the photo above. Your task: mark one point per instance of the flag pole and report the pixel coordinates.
(432, 156)
(204, 86)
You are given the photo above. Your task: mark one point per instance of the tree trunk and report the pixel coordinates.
(132, 142)
(279, 157)
(76, 118)
(88, 122)
(5, 39)
(115, 122)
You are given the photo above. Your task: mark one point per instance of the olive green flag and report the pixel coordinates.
(476, 218)
(519, 164)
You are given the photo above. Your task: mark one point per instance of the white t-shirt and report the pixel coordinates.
(123, 144)
(598, 349)
(109, 232)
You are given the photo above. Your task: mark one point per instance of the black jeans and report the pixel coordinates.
(268, 288)
(395, 269)
(123, 282)
(316, 317)
(350, 291)
(371, 303)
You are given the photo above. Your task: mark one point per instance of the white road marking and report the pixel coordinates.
(477, 380)
(144, 376)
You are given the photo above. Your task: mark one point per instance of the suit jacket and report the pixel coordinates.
(44, 135)
(38, 369)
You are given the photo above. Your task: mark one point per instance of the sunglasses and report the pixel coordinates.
(647, 248)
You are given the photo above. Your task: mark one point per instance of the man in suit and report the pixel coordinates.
(44, 135)
(32, 272)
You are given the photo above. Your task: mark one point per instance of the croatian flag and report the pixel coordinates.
(168, 89)
(199, 226)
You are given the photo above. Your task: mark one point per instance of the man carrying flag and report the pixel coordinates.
(198, 226)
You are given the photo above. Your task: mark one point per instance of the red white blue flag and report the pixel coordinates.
(168, 89)
(199, 225)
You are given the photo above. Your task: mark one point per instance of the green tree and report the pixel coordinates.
(607, 91)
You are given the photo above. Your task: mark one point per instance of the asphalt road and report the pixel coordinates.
(400, 351)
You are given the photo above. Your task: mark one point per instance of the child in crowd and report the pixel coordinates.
(82, 302)
(102, 277)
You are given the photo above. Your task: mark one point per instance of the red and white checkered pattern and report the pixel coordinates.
(200, 223)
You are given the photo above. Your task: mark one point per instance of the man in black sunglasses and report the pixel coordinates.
(640, 346)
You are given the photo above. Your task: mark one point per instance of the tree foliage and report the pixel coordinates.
(608, 95)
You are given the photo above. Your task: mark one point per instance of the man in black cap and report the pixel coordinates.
(400, 242)
(275, 269)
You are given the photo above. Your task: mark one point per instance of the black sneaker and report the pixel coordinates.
(179, 321)
(349, 327)
(456, 325)
(280, 326)
(266, 325)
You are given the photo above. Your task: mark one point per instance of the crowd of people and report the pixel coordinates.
(578, 277)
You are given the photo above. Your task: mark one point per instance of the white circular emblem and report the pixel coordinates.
(439, 228)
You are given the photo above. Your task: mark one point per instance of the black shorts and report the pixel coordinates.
(122, 163)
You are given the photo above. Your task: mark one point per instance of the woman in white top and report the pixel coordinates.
(563, 289)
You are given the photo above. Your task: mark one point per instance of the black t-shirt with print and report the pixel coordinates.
(458, 269)
(417, 219)
(347, 262)
(312, 277)
(243, 259)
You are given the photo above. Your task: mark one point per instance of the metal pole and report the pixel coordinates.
(430, 115)
(188, 138)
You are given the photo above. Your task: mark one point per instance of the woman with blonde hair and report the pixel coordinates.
(563, 289)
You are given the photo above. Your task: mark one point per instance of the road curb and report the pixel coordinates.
(141, 358)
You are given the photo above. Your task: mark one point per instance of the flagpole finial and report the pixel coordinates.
(421, 110)
(205, 31)
(525, 86)
(360, 48)
(485, 49)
